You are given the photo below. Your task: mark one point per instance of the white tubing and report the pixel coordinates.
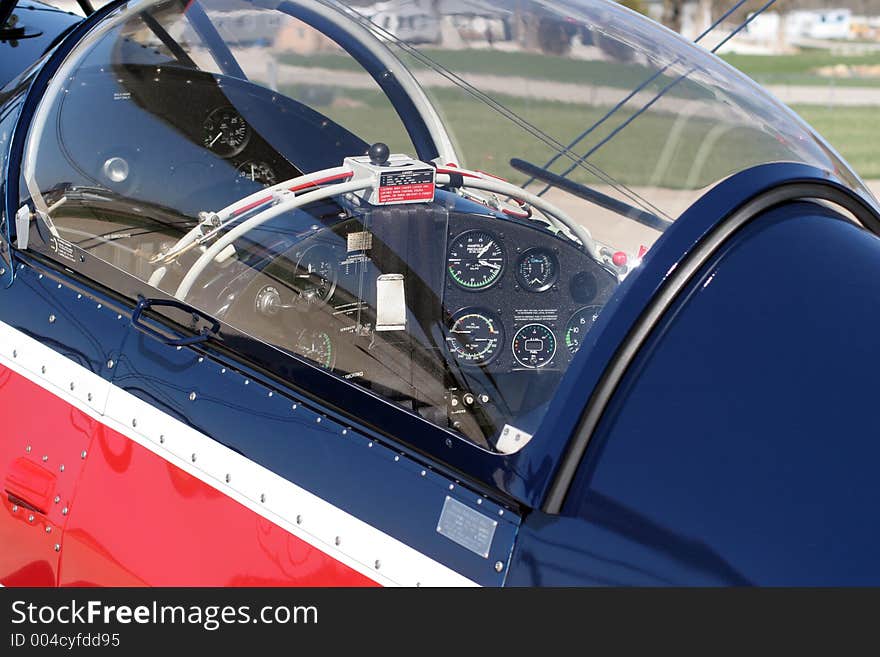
(553, 213)
(258, 219)
(196, 232)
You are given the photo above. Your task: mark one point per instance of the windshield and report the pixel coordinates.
(431, 201)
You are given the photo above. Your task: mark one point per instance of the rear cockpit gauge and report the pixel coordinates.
(475, 259)
(474, 336)
(258, 172)
(537, 269)
(225, 132)
(578, 325)
(315, 346)
(316, 274)
(534, 346)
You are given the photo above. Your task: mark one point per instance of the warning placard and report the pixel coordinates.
(406, 186)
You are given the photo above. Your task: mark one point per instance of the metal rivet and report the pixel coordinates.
(338, 540)
(499, 566)
(58, 547)
(293, 408)
(51, 319)
(193, 457)
(59, 286)
(423, 473)
(89, 396)
(15, 508)
(118, 316)
(449, 442)
(162, 439)
(83, 454)
(318, 420)
(344, 431)
(72, 385)
(396, 459)
(110, 364)
(500, 512)
(223, 371)
(27, 450)
(45, 458)
(64, 511)
(378, 564)
(451, 486)
(57, 499)
(263, 498)
(299, 520)
(48, 529)
(247, 382)
(43, 369)
(271, 393)
(192, 396)
(31, 518)
(479, 500)
(61, 467)
(100, 306)
(15, 353)
(2, 271)
(134, 422)
(370, 444)
(228, 478)
(79, 296)
(201, 359)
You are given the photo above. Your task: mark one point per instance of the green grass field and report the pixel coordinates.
(799, 69)
(635, 155)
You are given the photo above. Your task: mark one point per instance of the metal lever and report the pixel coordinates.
(146, 304)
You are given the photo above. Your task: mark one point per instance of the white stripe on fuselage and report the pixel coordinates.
(362, 546)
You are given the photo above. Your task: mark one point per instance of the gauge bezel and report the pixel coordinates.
(256, 163)
(335, 278)
(568, 326)
(546, 362)
(497, 239)
(485, 313)
(524, 284)
(226, 152)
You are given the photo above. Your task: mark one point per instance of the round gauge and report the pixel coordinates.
(316, 273)
(474, 336)
(578, 325)
(225, 132)
(258, 172)
(475, 260)
(534, 345)
(315, 346)
(537, 269)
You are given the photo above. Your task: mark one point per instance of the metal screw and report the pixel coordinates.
(27, 450)
(500, 512)
(51, 319)
(57, 499)
(45, 458)
(378, 564)
(318, 420)
(499, 566)
(451, 486)
(110, 362)
(48, 529)
(64, 511)
(15, 353)
(134, 422)
(263, 498)
(299, 520)
(89, 396)
(479, 500)
(194, 457)
(162, 439)
(83, 454)
(31, 518)
(228, 478)
(58, 547)
(43, 369)
(61, 467)
(192, 396)
(338, 540)
(72, 386)
(15, 508)
(423, 473)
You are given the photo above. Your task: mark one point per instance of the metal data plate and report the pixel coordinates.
(467, 527)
